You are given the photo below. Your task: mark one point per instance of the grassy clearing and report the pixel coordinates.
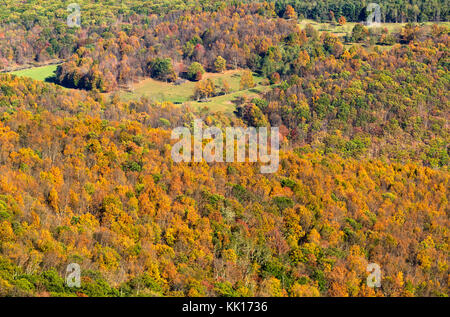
(226, 103)
(329, 27)
(342, 30)
(43, 73)
(178, 94)
(346, 29)
(162, 91)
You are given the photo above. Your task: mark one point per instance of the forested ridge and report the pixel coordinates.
(87, 177)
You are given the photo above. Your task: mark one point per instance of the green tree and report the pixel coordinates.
(195, 71)
(162, 69)
(359, 32)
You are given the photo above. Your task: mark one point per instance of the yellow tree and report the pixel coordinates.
(204, 89)
(290, 12)
(220, 64)
(246, 80)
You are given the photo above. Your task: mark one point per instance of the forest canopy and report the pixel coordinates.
(87, 177)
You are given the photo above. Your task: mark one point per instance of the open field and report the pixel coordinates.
(342, 30)
(225, 103)
(178, 94)
(38, 73)
(346, 29)
(162, 91)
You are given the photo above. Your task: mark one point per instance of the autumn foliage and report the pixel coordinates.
(87, 177)
(91, 181)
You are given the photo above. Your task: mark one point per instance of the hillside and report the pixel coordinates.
(88, 175)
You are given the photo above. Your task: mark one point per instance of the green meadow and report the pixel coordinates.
(182, 93)
(43, 73)
(342, 30)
